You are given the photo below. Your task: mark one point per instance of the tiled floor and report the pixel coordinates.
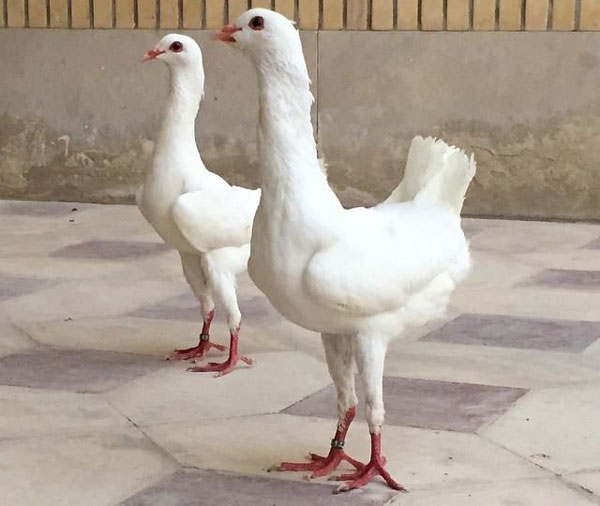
(496, 404)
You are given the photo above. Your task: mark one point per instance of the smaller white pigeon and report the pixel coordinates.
(208, 221)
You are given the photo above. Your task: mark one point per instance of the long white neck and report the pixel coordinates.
(178, 127)
(286, 145)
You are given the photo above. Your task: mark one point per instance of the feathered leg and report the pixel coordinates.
(192, 270)
(369, 353)
(223, 285)
(338, 352)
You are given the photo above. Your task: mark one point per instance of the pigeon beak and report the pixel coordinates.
(225, 34)
(152, 54)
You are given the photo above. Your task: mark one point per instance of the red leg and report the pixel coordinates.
(197, 352)
(322, 466)
(226, 367)
(375, 467)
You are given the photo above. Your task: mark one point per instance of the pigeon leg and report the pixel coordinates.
(226, 367)
(323, 466)
(375, 467)
(205, 344)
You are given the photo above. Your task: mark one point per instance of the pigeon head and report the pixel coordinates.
(176, 51)
(265, 35)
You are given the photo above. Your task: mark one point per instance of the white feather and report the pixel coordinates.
(195, 211)
(358, 275)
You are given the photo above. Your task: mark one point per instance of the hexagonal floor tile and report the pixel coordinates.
(76, 370)
(424, 403)
(515, 493)
(567, 279)
(254, 308)
(172, 394)
(11, 287)
(25, 412)
(96, 470)
(554, 427)
(191, 488)
(111, 250)
(417, 458)
(517, 332)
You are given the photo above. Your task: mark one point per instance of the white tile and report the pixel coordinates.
(416, 458)
(490, 365)
(276, 381)
(98, 470)
(556, 428)
(590, 480)
(25, 412)
(515, 493)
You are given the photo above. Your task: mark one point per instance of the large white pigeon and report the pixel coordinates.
(358, 276)
(208, 221)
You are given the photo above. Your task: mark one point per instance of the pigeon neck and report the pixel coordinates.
(286, 141)
(187, 88)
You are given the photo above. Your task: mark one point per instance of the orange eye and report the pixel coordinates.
(257, 23)
(176, 47)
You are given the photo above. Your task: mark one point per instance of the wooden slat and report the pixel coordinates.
(510, 15)
(536, 15)
(333, 14)
(432, 14)
(563, 15)
(590, 15)
(285, 7)
(308, 14)
(458, 15)
(37, 13)
(237, 7)
(2, 19)
(124, 14)
(59, 13)
(215, 13)
(265, 4)
(169, 14)
(80, 14)
(146, 13)
(192, 14)
(407, 15)
(356, 14)
(15, 10)
(382, 14)
(484, 14)
(102, 14)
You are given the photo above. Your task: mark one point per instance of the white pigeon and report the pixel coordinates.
(358, 276)
(208, 221)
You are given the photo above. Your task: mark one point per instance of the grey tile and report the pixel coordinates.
(34, 208)
(517, 332)
(565, 278)
(254, 308)
(111, 250)
(74, 370)
(595, 244)
(11, 287)
(472, 228)
(209, 488)
(425, 404)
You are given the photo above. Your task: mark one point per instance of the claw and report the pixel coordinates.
(375, 467)
(196, 352)
(322, 466)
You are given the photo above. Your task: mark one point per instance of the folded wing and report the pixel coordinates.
(211, 219)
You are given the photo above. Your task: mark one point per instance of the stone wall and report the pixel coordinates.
(78, 109)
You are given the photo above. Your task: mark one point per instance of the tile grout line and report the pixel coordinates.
(140, 429)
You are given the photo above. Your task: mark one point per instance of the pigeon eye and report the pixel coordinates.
(176, 47)
(257, 23)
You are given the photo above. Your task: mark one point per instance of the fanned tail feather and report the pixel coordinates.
(436, 173)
